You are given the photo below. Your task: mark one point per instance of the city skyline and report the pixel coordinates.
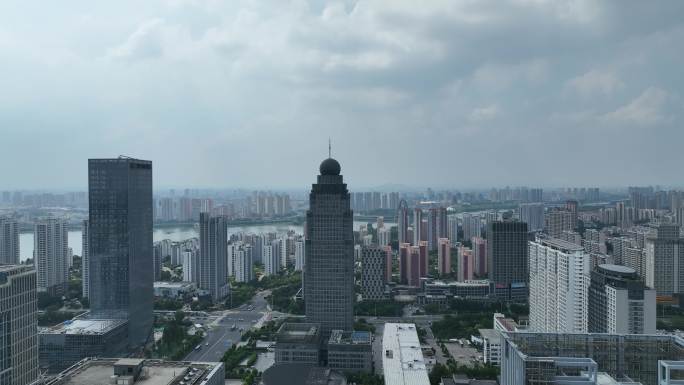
(507, 87)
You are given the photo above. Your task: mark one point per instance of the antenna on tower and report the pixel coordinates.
(329, 149)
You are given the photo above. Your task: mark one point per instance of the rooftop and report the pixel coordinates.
(402, 358)
(173, 285)
(559, 244)
(353, 338)
(301, 374)
(154, 372)
(298, 333)
(490, 334)
(85, 326)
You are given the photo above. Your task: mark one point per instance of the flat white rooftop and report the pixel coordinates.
(85, 326)
(402, 359)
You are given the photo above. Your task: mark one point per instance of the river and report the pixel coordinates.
(173, 233)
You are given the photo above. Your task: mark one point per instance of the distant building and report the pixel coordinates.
(472, 226)
(271, 260)
(417, 226)
(120, 243)
(51, 249)
(402, 358)
(403, 222)
(175, 290)
(466, 263)
(559, 279)
(665, 259)
(350, 351)
(619, 302)
(299, 255)
(301, 374)
(444, 256)
(213, 260)
(9, 240)
(18, 325)
(533, 215)
(558, 220)
(134, 371)
(242, 260)
(480, 254)
(329, 261)
(373, 270)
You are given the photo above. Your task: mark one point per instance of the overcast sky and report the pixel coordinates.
(421, 93)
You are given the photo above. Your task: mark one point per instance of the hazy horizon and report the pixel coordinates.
(246, 93)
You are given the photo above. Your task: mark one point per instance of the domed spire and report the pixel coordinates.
(330, 167)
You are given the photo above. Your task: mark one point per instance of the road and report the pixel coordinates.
(220, 335)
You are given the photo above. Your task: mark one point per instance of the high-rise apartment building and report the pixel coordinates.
(18, 325)
(444, 256)
(619, 303)
(417, 226)
(533, 215)
(271, 260)
(466, 263)
(558, 220)
(452, 228)
(373, 270)
(299, 255)
(664, 268)
(9, 240)
(120, 243)
(50, 253)
(244, 264)
(507, 253)
(329, 249)
(472, 226)
(404, 259)
(480, 254)
(213, 262)
(559, 277)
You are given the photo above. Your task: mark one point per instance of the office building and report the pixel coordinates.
(587, 359)
(559, 278)
(475, 289)
(402, 358)
(350, 352)
(67, 343)
(50, 252)
(18, 325)
(120, 243)
(444, 256)
(329, 250)
(373, 270)
(9, 240)
(619, 303)
(85, 260)
(507, 254)
(213, 264)
(138, 371)
(298, 343)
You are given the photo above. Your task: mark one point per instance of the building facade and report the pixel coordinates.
(213, 263)
(120, 243)
(18, 325)
(9, 240)
(664, 270)
(507, 254)
(373, 270)
(50, 253)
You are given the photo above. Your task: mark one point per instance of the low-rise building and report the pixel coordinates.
(298, 343)
(491, 346)
(350, 351)
(402, 358)
(301, 374)
(132, 371)
(174, 289)
(474, 289)
(66, 344)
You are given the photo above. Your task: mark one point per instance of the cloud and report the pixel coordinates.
(646, 109)
(145, 42)
(595, 82)
(484, 113)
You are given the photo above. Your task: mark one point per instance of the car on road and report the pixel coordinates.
(206, 344)
(198, 347)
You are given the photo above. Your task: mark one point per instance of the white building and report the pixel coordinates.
(559, 280)
(244, 265)
(491, 346)
(271, 260)
(50, 253)
(383, 236)
(402, 358)
(188, 261)
(472, 226)
(299, 255)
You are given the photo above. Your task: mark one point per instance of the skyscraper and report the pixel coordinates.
(619, 303)
(244, 264)
(50, 255)
(533, 215)
(329, 250)
(558, 220)
(85, 260)
(120, 243)
(213, 256)
(417, 226)
(373, 267)
(18, 325)
(444, 256)
(9, 240)
(507, 253)
(559, 277)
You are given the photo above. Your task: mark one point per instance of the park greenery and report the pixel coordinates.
(176, 343)
(386, 308)
(365, 379)
(480, 372)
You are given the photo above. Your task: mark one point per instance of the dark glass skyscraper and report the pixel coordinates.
(507, 254)
(120, 244)
(212, 263)
(329, 266)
